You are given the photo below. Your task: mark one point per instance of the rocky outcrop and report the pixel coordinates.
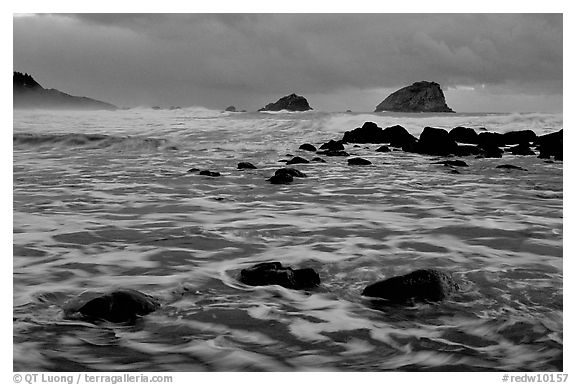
(419, 97)
(30, 94)
(289, 103)
(117, 306)
(420, 286)
(273, 273)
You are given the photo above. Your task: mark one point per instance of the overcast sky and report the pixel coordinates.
(484, 62)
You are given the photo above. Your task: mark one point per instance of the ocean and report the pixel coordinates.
(104, 200)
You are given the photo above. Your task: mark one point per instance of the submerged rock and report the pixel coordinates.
(383, 149)
(123, 305)
(318, 159)
(209, 173)
(333, 145)
(510, 167)
(273, 273)
(291, 171)
(333, 153)
(282, 178)
(291, 102)
(297, 160)
(419, 97)
(245, 165)
(454, 163)
(307, 147)
(420, 285)
(358, 162)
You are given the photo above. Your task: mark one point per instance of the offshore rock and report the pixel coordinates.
(291, 102)
(123, 305)
(273, 273)
(419, 97)
(420, 286)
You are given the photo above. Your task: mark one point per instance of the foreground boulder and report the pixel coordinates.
(123, 305)
(436, 141)
(419, 97)
(550, 145)
(273, 273)
(291, 102)
(464, 135)
(491, 139)
(419, 286)
(519, 137)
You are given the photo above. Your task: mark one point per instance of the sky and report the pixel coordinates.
(483, 62)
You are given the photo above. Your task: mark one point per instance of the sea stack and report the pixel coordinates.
(289, 103)
(28, 93)
(419, 97)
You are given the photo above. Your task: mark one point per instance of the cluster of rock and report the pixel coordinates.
(460, 141)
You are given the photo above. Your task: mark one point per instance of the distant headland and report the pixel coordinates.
(28, 93)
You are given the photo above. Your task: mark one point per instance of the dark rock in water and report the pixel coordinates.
(297, 160)
(317, 159)
(194, 169)
(420, 285)
(454, 171)
(419, 97)
(283, 178)
(246, 165)
(230, 109)
(466, 150)
(510, 167)
(209, 173)
(117, 306)
(307, 147)
(454, 163)
(464, 135)
(291, 171)
(333, 145)
(273, 273)
(551, 145)
(519, 137)
(491, 151)
(491, 139)
(332, 153)
(358, 162)
(383, 149)
(290, 103)
(522, 149)
(397, 135)
(436, 141)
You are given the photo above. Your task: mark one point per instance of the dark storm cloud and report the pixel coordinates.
(194, 56)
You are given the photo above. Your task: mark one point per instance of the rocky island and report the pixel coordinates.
(28, 93)
(419, 97)
(289, 103)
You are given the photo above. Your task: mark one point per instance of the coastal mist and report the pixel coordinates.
(105, 200)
